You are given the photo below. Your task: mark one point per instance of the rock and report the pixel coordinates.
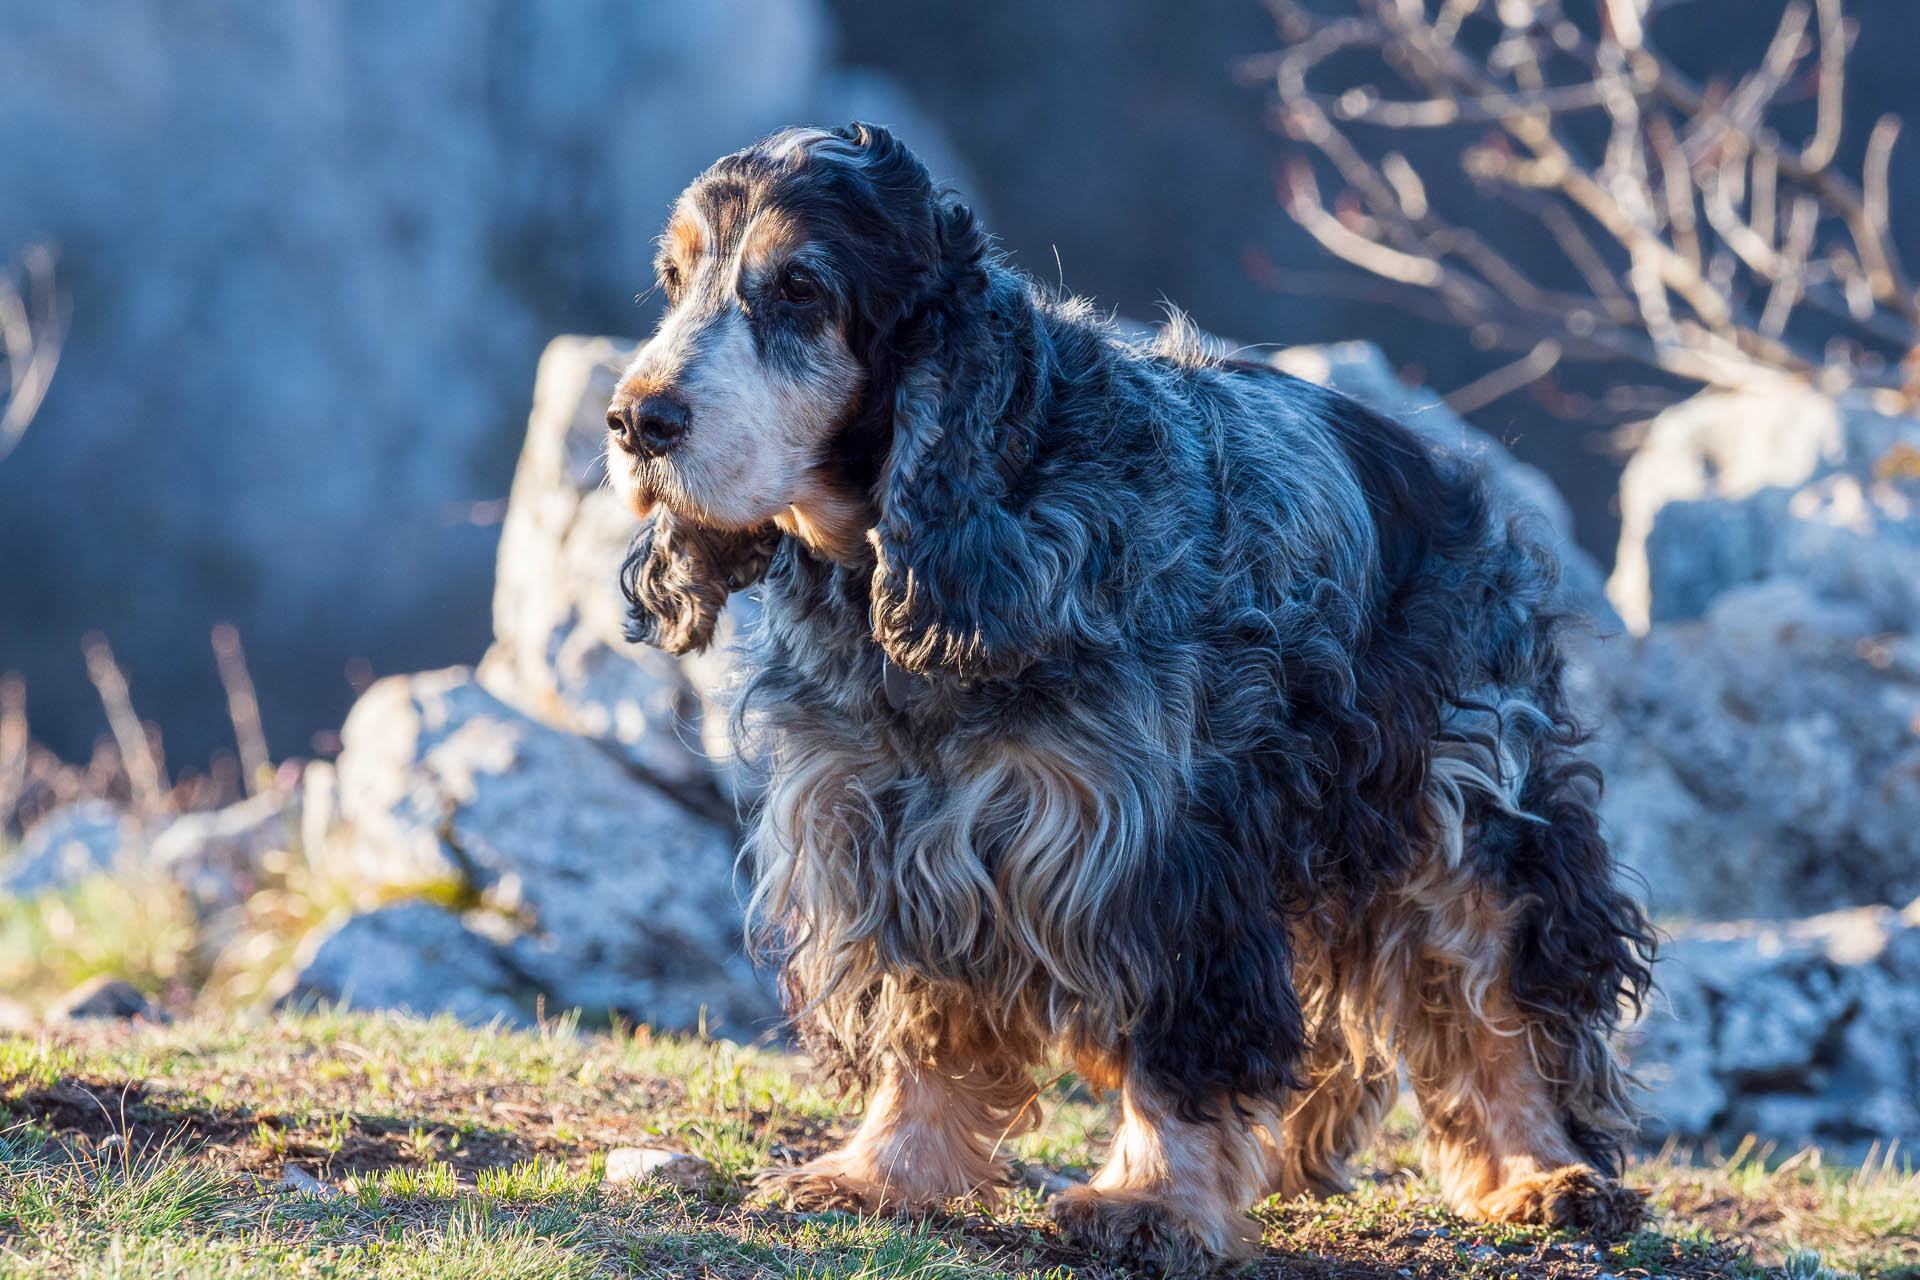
(218, 856)
(1358, 369)
(415, 958)
(1761, 761)
(69, 844)
(558, 652)
(1673, 1055)
(616, 896)
(301, 1182)
(1761, 737)
(1799, 1031)
(104, 999)
(1045, 1182)
(690, 1174)
(1776, 481)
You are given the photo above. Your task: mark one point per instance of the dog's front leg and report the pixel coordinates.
(1173, 1193)
(933, 1131)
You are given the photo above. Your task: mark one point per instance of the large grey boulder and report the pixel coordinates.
(412, 957)
(610, 895)
(1763, 760)
(1800, 1031)
(558, 651)
(1775, 481)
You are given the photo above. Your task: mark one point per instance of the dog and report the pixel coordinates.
(1121, 702)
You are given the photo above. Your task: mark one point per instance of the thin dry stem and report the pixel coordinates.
(14, 744)
(142, 763)
(243, 708)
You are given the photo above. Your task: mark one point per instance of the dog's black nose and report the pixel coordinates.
(649, 425)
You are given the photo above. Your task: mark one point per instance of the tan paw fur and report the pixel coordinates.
(1573, 1197)
(1145, 1231)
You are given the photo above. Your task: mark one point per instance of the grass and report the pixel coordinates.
(453, 1151)
(137, 929)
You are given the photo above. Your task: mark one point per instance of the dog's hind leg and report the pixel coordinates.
(1505, 1090)
(934, 1130)
(1351, 1079)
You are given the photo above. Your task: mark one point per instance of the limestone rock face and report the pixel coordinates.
(1761, 733)
(558, 649)
(605, 893)
(1764, 760)
(412, 957)
(1780, 481)
(1801, 1031)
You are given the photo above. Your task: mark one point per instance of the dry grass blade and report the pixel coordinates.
(243, 708)
(14, 743)
(142, 763)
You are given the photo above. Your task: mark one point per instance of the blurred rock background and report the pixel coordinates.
(310, 258)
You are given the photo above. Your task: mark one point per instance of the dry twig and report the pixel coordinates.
(138, 757)
(33, 324)
(243, 708)
(1709, 247)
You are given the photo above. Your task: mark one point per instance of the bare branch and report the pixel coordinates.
(1818, 153)
(1303, 203)
(1528, 369)
(1708, 211)
(1790, 281)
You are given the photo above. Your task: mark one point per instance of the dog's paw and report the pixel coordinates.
(1573, 1197)
(1150, 1233)
(823, 1186)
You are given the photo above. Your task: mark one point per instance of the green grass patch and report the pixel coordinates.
(444, 1150)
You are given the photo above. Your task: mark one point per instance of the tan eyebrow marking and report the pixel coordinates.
(771, 235)
(686, 238)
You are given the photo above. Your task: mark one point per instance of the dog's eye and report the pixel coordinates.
(670, 281)
(797, 287)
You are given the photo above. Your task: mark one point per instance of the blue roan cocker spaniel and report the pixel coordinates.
(1119, 701)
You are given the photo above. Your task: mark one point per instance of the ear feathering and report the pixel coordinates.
(678, 575)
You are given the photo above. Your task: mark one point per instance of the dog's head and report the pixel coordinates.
(764, 400)
(822, 292)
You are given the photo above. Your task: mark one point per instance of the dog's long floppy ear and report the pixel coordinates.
(962, 584)
(678, 575)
